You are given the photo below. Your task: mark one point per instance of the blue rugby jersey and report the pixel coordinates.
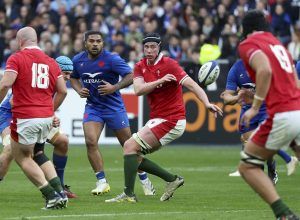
(239, 78)
(298, 69)
(107, 66)
(5, 105)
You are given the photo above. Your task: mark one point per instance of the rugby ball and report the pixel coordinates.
(208, 73)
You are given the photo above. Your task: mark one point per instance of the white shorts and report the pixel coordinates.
(166, 131)
(279, 131)
(54, 132)
(31, 131)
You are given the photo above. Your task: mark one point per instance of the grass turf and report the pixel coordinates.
(208, 192)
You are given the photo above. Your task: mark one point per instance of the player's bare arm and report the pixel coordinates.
(230, 97)
(76, 85)
(61, 93)
(142, 88)
(108, 88)
(260, 64)
(201, 95)
(6, 82)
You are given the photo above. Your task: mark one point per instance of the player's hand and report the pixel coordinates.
(56, 122)
(249, 114)
(167, 78)
(84, 93)
(214, 109)
(106, 88)
(246, 96)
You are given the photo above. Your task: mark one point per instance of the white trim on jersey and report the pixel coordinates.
(10, 70)
(182, 80)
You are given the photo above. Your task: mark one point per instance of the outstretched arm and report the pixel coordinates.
(201, 95)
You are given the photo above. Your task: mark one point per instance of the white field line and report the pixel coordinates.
(126, 214)
(184, 169)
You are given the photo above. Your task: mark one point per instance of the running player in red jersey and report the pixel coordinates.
(271, 67)
(34, 78)
(161, 79)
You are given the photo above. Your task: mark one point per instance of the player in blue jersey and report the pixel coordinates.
(96, 78)
(55, 137)
(5, 118)
(240, 89)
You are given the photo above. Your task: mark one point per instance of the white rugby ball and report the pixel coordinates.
(208, 73)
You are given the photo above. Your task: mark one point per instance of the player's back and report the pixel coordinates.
(35, 83)
(283, 94)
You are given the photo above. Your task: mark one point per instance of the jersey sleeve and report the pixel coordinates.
(12, 64)
(137, 71)
(247, 50)
(119, 66)
(177, 71)
(75, 74)
(231, 83)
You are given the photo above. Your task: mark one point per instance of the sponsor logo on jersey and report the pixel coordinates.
(92, 75)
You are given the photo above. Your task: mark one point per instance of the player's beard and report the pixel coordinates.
(95, 52)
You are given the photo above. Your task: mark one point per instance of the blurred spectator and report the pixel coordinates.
(50, 50)
(174, 47)
(134, 32)
(294, 45)
(189, 24)
(13, 47)
(281, 24)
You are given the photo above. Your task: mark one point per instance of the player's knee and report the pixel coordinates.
(40, 158)
(61, 145)
(250, 161)
(129, 147)
(91, 142)
(6, 140)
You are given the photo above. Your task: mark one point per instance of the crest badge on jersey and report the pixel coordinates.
(101, 64)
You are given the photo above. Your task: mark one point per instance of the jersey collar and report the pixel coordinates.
(32, 47)
(159, 57)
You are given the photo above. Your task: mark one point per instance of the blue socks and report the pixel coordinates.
(60, 164)
(143, 176)
(100, 176)
(287, 158)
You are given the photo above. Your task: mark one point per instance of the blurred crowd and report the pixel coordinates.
(186, 25)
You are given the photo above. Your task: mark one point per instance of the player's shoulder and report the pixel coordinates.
(141, 63)
(79, 57)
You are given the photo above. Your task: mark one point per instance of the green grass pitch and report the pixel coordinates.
(208, 193)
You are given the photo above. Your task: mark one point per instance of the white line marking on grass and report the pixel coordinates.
(124, 214)
(224, 169)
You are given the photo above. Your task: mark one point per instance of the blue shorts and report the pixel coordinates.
(5, 119)
(254, 123)
(113, 120)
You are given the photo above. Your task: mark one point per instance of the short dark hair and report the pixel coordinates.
(88, 33)
(254, 20)
(152, 37)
